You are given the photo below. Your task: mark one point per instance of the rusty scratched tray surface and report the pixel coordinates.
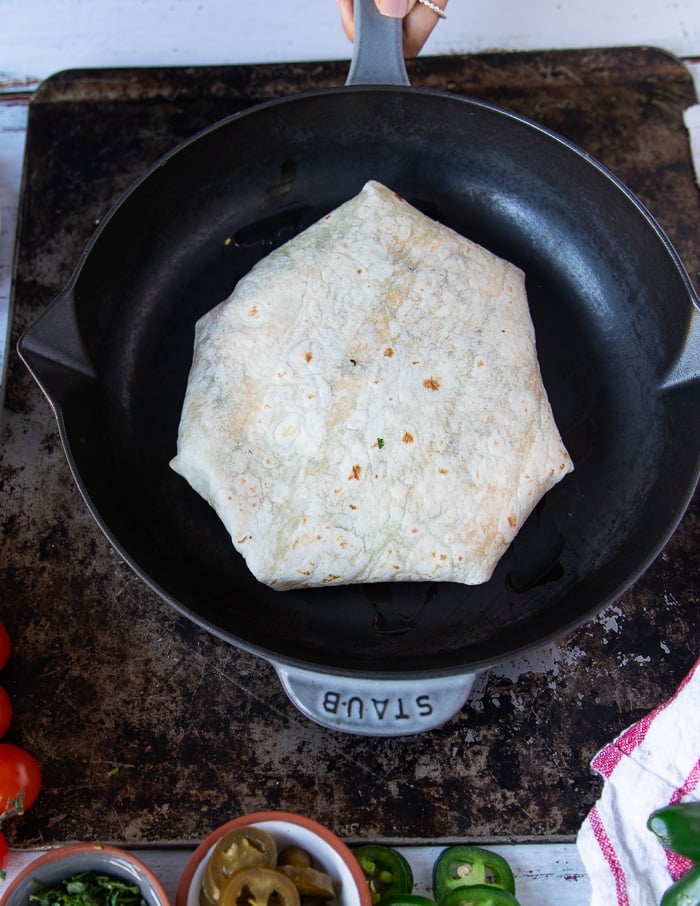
(150, 729)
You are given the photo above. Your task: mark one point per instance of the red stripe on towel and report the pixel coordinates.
(610, 856)
(679, 865)
(608, 758)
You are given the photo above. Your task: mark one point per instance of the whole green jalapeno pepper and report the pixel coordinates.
(678, 828)
(685, 892)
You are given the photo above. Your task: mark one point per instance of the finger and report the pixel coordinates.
(396, 9)
(347, 17)
(419, 21)
(418, 27)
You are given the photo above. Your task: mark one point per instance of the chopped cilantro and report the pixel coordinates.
(380, 442)
(88, 888)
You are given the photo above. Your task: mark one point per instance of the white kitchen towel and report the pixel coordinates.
(653, 763)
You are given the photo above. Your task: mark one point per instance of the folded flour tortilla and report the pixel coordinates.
(368, 405)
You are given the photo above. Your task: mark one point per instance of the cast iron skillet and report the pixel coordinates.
(618, 340)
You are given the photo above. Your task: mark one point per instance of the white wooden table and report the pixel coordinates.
(545, 873)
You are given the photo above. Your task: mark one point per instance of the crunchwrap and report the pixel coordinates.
(368, 405)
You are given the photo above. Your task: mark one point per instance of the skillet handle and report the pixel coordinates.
(377, 56)
(375, 707)
(686, 368)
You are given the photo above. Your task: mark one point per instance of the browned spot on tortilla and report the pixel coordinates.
(388, 352)
(331, 577)
(308, 356)
(407, 438)
(253, 310)
(355, 473)
(443, 471)
(480, 363)
(443, 556)
(432, 383)
(353, 506)
(359, 270)
(512, 521)
(415, 530)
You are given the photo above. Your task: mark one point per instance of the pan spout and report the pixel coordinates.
(686, 368)
(53, 349)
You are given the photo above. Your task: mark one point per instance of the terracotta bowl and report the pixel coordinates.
(64, 861)
(286, 829)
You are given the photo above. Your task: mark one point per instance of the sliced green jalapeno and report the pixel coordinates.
(480, 895)
(408, 899)
(387, 871)
(467, 866)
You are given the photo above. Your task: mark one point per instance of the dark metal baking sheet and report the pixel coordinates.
(148, 728)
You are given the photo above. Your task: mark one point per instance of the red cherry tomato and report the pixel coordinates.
(5, 646)
(5, 711)
(20, 780)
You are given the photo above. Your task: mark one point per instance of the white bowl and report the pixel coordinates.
(63, 862)
(286, 829)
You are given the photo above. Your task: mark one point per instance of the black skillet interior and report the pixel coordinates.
(610, 306)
